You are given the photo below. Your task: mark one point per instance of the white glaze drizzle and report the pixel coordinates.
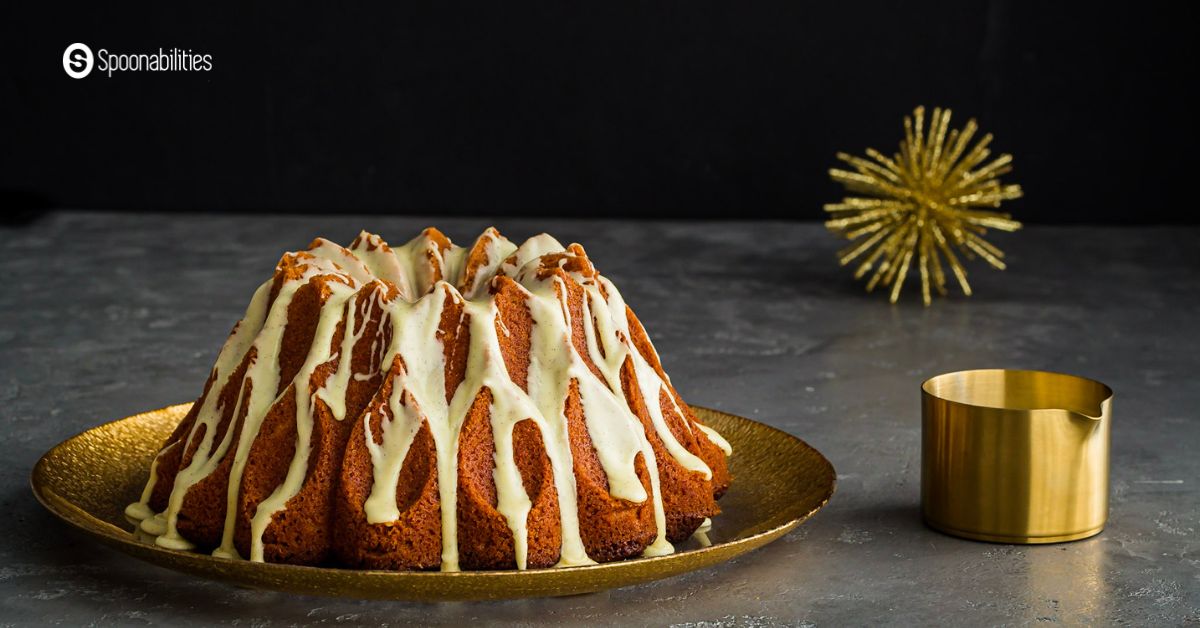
(425, 276)
(496, 249)
(140, 510)
(331, 315)
(716, 439)
(247, 334)
(650, 384)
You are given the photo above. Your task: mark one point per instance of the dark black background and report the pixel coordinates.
(668, 109)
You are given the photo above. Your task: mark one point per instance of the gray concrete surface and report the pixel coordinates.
(104, 315)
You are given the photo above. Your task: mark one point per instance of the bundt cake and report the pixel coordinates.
(433, 406)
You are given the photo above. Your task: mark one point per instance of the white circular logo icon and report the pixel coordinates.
(78, 60)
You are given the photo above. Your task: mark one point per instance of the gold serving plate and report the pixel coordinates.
(779, 481)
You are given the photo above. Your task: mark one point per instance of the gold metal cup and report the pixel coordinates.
(1014, 456)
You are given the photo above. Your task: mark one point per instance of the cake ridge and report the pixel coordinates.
(425, 293)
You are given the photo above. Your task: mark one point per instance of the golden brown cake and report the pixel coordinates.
(433, 406)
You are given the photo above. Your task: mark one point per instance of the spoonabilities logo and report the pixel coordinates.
(78, 60)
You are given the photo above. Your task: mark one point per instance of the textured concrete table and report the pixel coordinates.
(103, 315)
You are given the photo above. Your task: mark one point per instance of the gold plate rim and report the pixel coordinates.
(438, 586)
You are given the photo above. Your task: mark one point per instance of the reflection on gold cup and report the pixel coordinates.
(1015, 456)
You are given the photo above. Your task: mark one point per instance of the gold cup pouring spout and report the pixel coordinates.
(1014, 456)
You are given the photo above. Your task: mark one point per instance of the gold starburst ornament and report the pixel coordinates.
(932, 201)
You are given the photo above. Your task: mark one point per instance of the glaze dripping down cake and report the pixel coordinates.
(435, 407)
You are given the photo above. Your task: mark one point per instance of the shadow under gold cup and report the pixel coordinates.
(1013, 456)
